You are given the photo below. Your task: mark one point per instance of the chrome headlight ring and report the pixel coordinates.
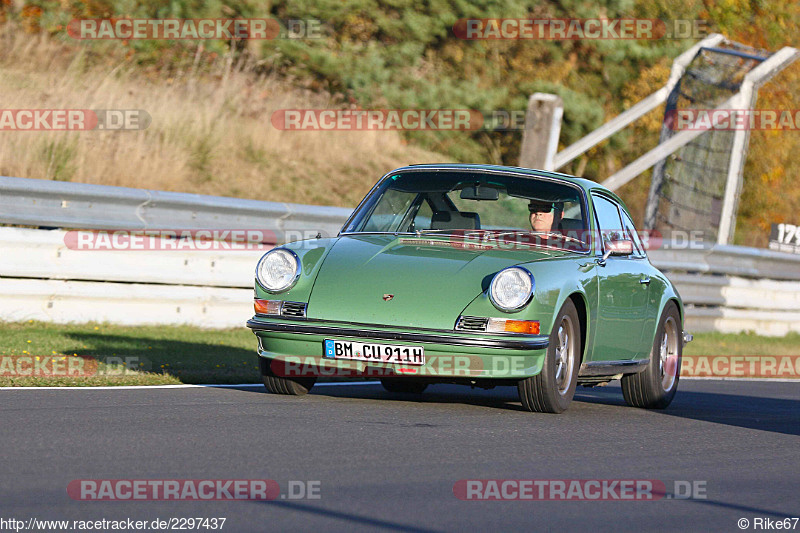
(278, 270)
(512, 289)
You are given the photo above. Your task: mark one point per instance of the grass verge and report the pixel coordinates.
(141, 355)
(163, 355)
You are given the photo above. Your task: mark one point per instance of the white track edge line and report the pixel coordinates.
(339, 383)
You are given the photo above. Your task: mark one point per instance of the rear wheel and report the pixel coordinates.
(280, 385)
(552, 390)
(655, 387)
(403, 385)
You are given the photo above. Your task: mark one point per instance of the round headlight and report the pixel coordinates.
(511, 289)
(278, 270)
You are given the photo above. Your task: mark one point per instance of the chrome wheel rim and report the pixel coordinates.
(668, 354)
(564, 355)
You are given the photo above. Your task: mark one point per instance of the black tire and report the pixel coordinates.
(552, 390)
(279, 385)
(403, 385)
(655, 387)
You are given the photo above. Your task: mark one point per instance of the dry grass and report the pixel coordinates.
(210, 132)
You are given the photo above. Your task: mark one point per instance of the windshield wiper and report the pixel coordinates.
(559, 235)
(495, 234)
(440, 231)
(545, 233)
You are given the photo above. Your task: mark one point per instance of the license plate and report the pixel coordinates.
(377, 353)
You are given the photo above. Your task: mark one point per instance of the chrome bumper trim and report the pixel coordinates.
(521, 342)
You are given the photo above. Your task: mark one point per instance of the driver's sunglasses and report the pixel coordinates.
(541, 208)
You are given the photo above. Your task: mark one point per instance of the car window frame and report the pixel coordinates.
(635, 236)
(600, 194)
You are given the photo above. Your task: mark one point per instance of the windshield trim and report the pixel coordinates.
(584, 199)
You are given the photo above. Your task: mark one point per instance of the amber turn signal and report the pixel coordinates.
(267, 307)
(530, 327)
(522, 326)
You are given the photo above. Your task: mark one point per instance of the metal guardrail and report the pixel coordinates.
(734, 288)
(727, 259)
(42, 279)
(45, 203)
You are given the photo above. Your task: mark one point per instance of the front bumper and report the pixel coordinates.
(449, 354)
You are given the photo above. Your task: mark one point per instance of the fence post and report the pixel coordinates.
(542, 128)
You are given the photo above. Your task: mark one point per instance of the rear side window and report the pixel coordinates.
(611, 228)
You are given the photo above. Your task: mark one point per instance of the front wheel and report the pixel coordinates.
(552, 390)
(655, 387)
(280, 385)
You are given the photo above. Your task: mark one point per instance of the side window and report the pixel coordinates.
(608, 219)
(632, 234)
(390, 211)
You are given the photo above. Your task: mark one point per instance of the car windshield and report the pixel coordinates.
(489, 204)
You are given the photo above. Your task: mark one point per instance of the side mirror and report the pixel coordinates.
(620, 247)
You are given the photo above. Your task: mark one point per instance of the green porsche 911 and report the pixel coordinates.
(474, 274)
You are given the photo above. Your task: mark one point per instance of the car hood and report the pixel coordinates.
(430, 279)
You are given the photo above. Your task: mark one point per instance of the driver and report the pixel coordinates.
(545, 216)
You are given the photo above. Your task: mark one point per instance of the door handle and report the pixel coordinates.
(644, 280)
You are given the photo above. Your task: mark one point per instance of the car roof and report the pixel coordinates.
(587, 185)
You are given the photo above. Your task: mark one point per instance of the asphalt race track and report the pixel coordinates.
(389, 461)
